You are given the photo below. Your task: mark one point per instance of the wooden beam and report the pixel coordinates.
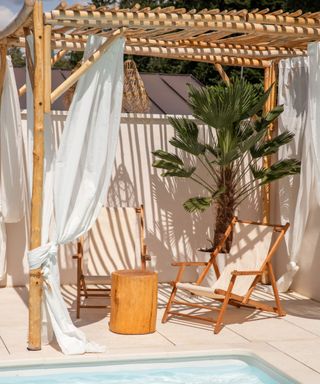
(221, 51)
(47, 67)
(35, 277)
(283, 20)
(195, 47)
(173, 53)
(222, 73)
(202, 51)
(3, 66)
(59, 55)
(74, 77)
(221, 22)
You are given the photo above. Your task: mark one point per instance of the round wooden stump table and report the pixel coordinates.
(134, 296)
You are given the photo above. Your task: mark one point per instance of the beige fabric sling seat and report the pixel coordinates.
(250, 255)
(115, 242)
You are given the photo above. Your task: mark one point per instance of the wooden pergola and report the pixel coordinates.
(256, 38)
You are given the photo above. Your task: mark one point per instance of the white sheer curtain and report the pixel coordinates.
(314, 109)
(11, 160)
(81, 174)
(299, 91)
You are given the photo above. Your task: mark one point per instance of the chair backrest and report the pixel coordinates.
(249, 251)
(115, 241)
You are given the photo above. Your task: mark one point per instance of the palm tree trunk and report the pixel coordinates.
(225, 209)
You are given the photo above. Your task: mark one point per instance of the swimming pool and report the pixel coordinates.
(224, 369)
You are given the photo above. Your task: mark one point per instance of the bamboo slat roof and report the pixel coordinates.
(246, 38)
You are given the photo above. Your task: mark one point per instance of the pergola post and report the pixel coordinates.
(35, 277)
(270, 78)
(47, 68)
(3, 65)
(266, 159)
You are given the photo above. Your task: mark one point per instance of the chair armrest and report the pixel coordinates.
(246, 273)
(146, 257)
(189, 263)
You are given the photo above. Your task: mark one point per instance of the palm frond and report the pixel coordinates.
(223, 107)
(257, 107)
(201, 203)
(274, 114)
(164, 155)
(271, 146)
(187, 133)
(276, 171)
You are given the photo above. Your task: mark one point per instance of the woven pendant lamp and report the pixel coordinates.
(135, 98)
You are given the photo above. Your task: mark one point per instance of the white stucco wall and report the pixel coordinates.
(171, 232)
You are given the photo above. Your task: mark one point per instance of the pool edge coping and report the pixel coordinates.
(244, 353)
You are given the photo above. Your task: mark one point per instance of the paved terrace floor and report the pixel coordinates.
(291, 343)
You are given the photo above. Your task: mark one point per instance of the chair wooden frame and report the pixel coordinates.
(104, 287)
(227, 297)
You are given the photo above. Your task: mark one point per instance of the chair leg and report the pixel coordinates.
(173, 293)
(84, 287)
(169, 304)
(217, 327)
(280, 311)
(78, 298)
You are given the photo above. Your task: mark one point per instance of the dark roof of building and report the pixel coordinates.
(168, 94)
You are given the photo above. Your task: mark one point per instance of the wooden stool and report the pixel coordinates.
(134, 295)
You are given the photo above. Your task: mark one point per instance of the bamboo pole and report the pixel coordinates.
(245, 48)
(35, 279)
(266, 159)
(186, 47)
(273, 98)
(222, 73)
(59, 55)
(172, 53)
(207, 58)
(220, 22)
(270, 77)
(247, 44)
(74, 77)
(47, 67)
(3, 66)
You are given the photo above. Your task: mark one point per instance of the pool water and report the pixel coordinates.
(204, 370)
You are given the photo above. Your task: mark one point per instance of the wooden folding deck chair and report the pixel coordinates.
(250, 255)
(116, 241)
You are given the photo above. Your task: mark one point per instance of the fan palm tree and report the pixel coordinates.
(238, 141)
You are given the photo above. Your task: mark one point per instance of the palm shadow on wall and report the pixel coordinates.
(171, 232)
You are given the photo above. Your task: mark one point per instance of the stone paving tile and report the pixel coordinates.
(180, 331)
(291, 342)
(269, 329)
(3, 349)
(306, 351)
(304, 314)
